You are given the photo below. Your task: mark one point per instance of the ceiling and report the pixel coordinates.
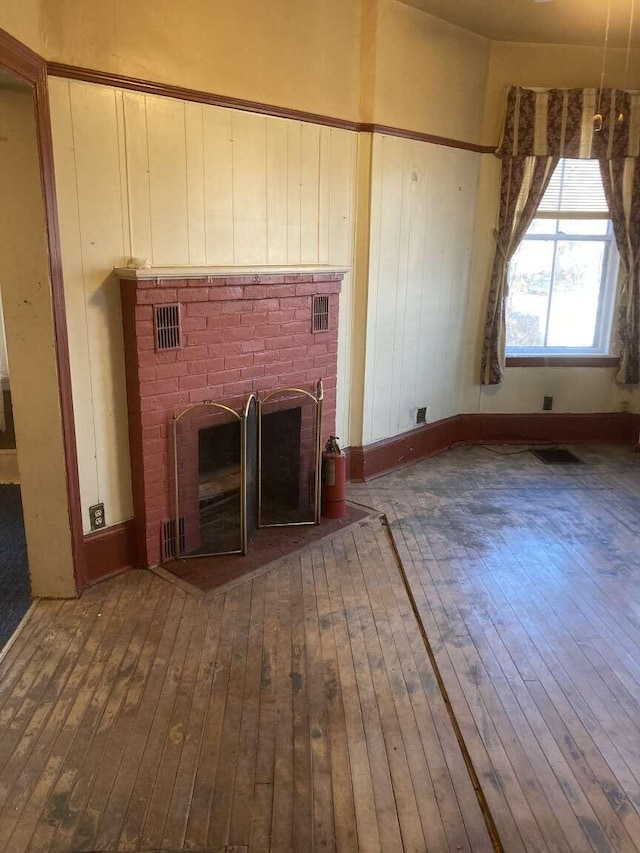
(554, 21)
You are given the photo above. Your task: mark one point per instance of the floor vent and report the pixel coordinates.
(557, 456)
(167, 325)
(169, 538)
(320, 314)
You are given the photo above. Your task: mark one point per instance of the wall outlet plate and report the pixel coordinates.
(96, 516)
(547, 404)
(421, 415)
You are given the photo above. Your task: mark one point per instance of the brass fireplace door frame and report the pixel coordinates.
(318, 399)
(242, 418)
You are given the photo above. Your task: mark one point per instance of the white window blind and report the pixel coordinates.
(576, 186)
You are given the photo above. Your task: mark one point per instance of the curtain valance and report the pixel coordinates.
(560, 123)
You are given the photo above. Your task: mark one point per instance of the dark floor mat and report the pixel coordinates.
(557, 456)
(15, 593)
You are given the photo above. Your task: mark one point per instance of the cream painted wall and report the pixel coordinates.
(370, 15)
(430, 75)
(26, 295)
(23, 20)
(576, 389)
(416, 215)
(360, 289)
(422, 218)
(547, 66)
(180, 183)
(303, 55)
(573, 389)
(369, 60)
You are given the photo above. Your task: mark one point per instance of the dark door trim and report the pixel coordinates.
(22, 62)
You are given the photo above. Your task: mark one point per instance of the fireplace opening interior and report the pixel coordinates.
(212, 502)
(220, 487)
(284, 498)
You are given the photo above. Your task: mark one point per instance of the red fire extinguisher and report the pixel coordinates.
(334, 487)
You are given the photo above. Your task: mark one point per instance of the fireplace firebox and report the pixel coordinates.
(233, 334)
(280, 488)
(219, 487)
(240, 469)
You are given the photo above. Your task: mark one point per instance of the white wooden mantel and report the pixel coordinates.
(182, 272)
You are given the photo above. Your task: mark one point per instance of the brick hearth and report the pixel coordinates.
(241, 332)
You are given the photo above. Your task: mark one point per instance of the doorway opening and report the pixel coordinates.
(15, 586)
(35, 504)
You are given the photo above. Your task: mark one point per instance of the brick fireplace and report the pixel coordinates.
(211, 334)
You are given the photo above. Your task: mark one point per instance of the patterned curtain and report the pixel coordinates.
(522, 185)
(540, 127)
(621, 181)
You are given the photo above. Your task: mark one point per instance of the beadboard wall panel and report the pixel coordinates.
(94, 237)
(180, 183)
(422, 218)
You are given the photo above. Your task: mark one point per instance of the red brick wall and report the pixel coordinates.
(239, 335)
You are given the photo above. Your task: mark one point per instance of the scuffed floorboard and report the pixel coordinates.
(296, 711)
(527, 580)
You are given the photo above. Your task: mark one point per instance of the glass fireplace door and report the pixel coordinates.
(237, 471)
(289, 435)
(210, 474)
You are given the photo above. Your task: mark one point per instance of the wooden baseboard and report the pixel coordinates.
(111, 551)
(390, 453)
(612, 427)
(397, 451)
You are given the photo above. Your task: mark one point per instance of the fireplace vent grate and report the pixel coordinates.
(169, 538)
(320, 314)
(167, 324)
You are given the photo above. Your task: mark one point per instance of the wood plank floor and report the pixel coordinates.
(527, 580)
(297, 711)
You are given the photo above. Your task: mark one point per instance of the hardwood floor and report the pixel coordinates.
(296, 711)
(300, 710)
(527, 580)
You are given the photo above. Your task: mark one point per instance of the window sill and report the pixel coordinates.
(562, 361)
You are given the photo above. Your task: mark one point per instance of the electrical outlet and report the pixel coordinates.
(547, 404)
(96, 516)
(421, 415)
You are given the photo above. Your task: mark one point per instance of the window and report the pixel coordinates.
(562, 276)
